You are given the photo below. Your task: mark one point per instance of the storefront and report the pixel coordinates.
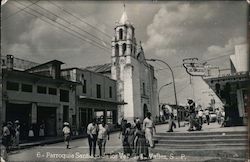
(234, 91)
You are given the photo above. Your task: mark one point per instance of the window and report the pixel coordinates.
(41, 89)
(144, 88)
(120, 34)
(110, 92)
(52, 91)
(14, 86)
(64, 95)
(116, 50)
(65, 113)
(26, 88)
(84, 86)
(98, 91)
(124, 48)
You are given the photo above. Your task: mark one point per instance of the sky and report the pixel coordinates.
(170, 31)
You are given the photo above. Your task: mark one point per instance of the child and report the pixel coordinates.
(66, 133)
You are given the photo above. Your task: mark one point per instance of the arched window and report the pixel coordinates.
(116, 50)
(124, 48)
(120, 34)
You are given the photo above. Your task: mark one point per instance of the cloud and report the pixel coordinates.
(186, 25)
(215, 50)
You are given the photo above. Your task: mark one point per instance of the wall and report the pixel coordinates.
(37, 99)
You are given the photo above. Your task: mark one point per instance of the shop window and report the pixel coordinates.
(27, 88)
(84, 86)
(98, 90)
(109, 117)
(110, 92)
(64, 95)
(14, 86)
(52, 91)
(41, 89)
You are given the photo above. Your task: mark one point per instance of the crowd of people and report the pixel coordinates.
(11, 135)
(136, 137)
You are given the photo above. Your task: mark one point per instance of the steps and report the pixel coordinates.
(230, 144)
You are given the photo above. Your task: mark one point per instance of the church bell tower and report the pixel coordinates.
(124, 65)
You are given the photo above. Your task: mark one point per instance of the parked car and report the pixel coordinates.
(213, 117)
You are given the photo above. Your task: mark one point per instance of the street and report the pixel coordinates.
(57, 152)
(79, 148)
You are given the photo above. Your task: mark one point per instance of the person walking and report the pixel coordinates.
(66, 133)
(149, 127)
(171, 123)
(92, 136)
(123, 128)
(6, 136)
(17, 133)
(141, 149)
(200, 116)
(207, 116)
(42, 130)
(102, 137)
(127, 141)
(191, 111)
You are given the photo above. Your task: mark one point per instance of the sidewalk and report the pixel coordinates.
(212, 127)
(50, 140)
(161, 128)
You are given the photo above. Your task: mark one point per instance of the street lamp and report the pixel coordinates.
(171, 73)
(159, 95)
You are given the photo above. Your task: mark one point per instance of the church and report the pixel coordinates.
(136, 82)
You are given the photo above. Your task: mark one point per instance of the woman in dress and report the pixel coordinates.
(17, 135)
(141, 148)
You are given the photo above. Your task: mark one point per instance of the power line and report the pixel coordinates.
(75, 26)
(228, 54)
(60, 27)
(80, 19)
(20, 10)
(210, 59)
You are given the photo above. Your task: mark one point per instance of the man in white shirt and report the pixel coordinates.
(102, 137)
(148, 126)
(200, 115)
(207, 116)
(92, 136)
(66, 133)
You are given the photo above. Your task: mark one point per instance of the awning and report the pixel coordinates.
(102, 100)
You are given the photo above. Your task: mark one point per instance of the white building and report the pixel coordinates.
(136, 83)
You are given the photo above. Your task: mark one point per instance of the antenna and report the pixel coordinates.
(124, 6)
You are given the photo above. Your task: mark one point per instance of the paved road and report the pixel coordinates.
(57, 152)
(79, 149)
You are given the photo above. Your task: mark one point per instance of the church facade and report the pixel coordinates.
(136, 83)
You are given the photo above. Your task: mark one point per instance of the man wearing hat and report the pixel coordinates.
(66, 133)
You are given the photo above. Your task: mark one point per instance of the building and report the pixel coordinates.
(38, 95)
(136, 83)
(95, 96)
(234, 88)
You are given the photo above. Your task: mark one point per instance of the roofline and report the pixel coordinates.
(88, 71)
(41, 76)
(60, 62)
